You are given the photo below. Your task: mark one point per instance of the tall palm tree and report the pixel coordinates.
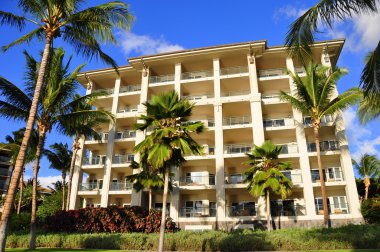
(83, 29)
(265, 177)
(56, 108)
(13, 144)
(315, 97)
(369, 168)
(324, 13)
(84, 130)
(369, 108)
(59, 157)
(170, 140)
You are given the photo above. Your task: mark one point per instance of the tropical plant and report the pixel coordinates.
(369, 168)
(369, 108)
(170, 139)
(83, 129)
(83, 29)
(59, 157)
(57, 107)
(301, 34)
(315, 96)
(13, 144)
(265, 177)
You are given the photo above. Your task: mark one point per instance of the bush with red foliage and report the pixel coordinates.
(111, 220)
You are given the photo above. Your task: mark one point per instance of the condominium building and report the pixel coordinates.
(235, 89)
(6, 168)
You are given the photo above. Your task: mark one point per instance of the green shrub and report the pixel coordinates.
(371, 210)
(20, 222)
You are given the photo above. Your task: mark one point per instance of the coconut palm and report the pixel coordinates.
(170, 140)
(56, 109)
(83, 29)
(369, 108)
(265, 177)
(314, 96)
(13, 144)
(369, 168)
(324, 13)
(59, 157)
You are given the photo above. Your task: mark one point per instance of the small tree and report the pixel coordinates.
(265, 177)
(369, 168)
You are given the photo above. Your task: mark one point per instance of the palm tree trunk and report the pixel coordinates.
(21, 192)
(323, 188)
(40, 146)
(268, 210)
(150, 198)
(163, 217)
(71, 172)
(63, 189)
(24, 146)
(367, 183)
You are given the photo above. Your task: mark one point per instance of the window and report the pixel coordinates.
(194, 208)
(283, 208)
(194, 177)
(319, 205)
(211, 179)
(243, 208)
(340, 205)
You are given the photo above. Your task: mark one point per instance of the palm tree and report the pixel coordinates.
(369, 108)
(13, 144)
(315, 97)
(170, 140)
(57, 107)
(369, 168)
(324, 13)
(265, 177)
(59, 158)
(83, 29)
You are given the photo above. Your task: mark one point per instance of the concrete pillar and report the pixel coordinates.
(308, 192)
(177, 78)
(252, 69)
(110, 146)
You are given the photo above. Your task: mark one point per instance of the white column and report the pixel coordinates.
(177, 78)
(252, 74)
(308, 192)
(140, 135)
(110, 147)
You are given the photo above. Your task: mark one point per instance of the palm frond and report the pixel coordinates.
(36, 33)
(369, 108)
(343, 101)
(12, 20)
(370, 77)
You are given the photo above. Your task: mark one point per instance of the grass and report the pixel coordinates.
(100, 250)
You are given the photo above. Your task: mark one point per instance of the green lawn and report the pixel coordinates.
(100, 250)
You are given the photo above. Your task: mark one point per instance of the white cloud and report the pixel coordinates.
(46, 181)
(144, 44)
(288, 12)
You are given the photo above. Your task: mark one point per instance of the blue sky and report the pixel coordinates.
(171, 25)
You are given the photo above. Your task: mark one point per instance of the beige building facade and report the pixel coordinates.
(235, 89)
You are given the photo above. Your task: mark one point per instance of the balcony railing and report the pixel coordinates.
(236, 93)
(329, 145)
(196, 75)
(234, 179)
(239, 211)
(196, 97)
(283, 210)
(237, 148)
(233, 70)
(128, 109)
(103, 137)
(120, 186)
(206, 122)
(299, 70)
(197, 212)
(273, 123)
(122, 159)
(333, 174)
(333, 208)
(130, 88)
(237, 120)
(289, 148)
(296, 178)
(272, 72)
(325, 119)
(125, 134)
(161, 78)
(97, 160)
(92, 186)
(105, 91)
(197, 180)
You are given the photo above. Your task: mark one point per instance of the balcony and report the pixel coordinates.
(5, 159)
(161, 79)
(236, 93)
(278, 123)
(196, 75)
(331, 174)
(4, 172)
(120, 186)
(129, 89)
(206, 122)
(237, 148)
(287, 210)
(296, 178)
(127, 134)
(299, 70)
(238, 70)
(197, 97)
(335, 205)
(103, 137)
(290, 148)
(189, 212)
(122, 159)
(271, 98)
(104, 91)
(97, 160)
(272, 72)
(128, 109)
(197, 180)
(235, 179)
(326, 119)
(329, 145)
(91, 186)
(237, 120)
(241, 209)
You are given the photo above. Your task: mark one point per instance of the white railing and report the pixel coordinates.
(196, 97)
(196, 75)
(120, 186)
(237, 148)
(127, 109)
(289, 148)
(269, 123)
(122, 159)
(95, 160)
(296, 178)
(125, 134)
(299, 70)
(103, 137)
(161, 78)
(130, 88)
(237, 120)
(105, 91)
(233, 70)
(328, 145)
(272, 72)
(236, 93)
(324, 119)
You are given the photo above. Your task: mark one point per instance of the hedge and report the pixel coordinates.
(348, 237)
